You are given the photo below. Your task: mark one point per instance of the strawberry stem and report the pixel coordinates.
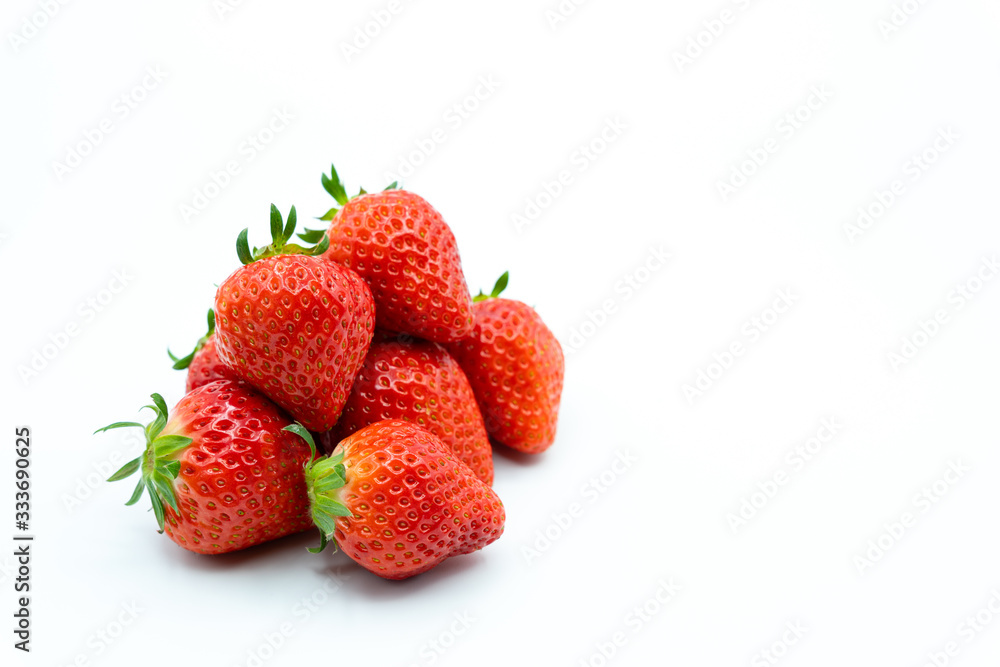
(325, 476)
(281, 233)
(498, 289)
(181, 364)
(335, 187)
(158, 465)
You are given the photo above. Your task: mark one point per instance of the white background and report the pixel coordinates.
(665, 516)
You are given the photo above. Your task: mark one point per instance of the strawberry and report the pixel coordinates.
(203, 365)
(419, 382)
(295, 326)
(207, 366)
(515, 366)
(406, 252)
(398, 501)
(221, 472)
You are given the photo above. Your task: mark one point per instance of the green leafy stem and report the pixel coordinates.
(158, 465)
(335, 187)
(281, 233)
(498, 289)
(184, 362)
(325, 476)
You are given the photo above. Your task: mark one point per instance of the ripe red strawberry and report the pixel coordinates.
(515, 366)
(221, 472)
(419, 382)
(207, 367)
(203, 365)
(406, 252)
(398, 502)
(295, 326)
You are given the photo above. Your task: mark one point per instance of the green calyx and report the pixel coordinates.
(281, 233)
(184, 362)
(335, 187)
(498, 288)
(324, 477)
(158, 465)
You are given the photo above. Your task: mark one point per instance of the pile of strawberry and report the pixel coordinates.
(367, 341)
